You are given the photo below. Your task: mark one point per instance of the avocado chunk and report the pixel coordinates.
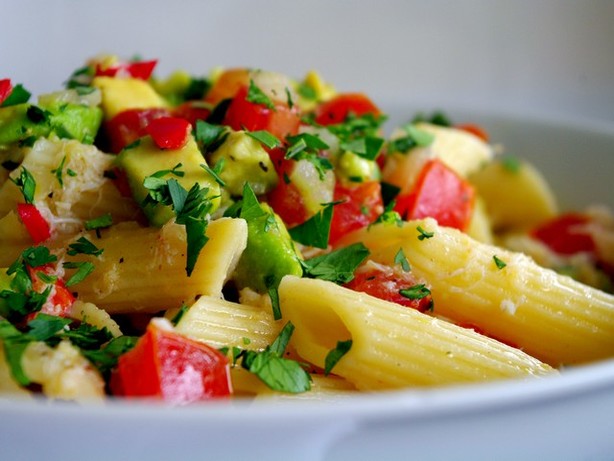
(270, 253)
(245, 160)
(144, 158)
(66, 120)
(5, 284)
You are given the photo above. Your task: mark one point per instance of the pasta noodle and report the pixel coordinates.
(247, 234)
(546, 314)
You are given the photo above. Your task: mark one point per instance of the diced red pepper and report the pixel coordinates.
(5, 89)
(130, 125)
(566, 234)
(361, 205)
(387, 283)
(439, 193)
(171, 367)
(477, 130)
(337, 109)
(169, 132)
(138, 69)
(33, 220)
(245, 115)
(60, 300)
(191, 111)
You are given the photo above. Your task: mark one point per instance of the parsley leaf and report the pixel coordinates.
(418, 291)
(100, 222)
(401, 260)
(306, 146)
(498, 262)
(414, 137)
(271, 368)
(334, 355)
(257, 96)
(83, 246)
(316, 230)
(84, 269)
(265, 138)
(216, 171)
(337, 266)
(209, 136)
(18, 95)
(27, 184)
(422, 234)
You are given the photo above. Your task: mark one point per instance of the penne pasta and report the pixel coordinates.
(392, 346)
(548, 315)
(143, 269)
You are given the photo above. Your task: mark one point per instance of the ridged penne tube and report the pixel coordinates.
(223, 323)
(392, 346)
(548, 315)
(143, 269)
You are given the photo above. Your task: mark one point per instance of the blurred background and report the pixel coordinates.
(544, 57)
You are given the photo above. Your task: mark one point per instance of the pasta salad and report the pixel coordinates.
(246, 234)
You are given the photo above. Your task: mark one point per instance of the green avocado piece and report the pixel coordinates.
(5, 284)
(144, 158)
(270, 253)
(66, 120)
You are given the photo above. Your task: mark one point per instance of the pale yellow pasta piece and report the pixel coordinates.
(548, 315)
(92, 314)
(517, 197)
(62, 372)
(393, 346)
(480, 227)
(14, 238)
(462, 151)
(222, 323)
(143, 269)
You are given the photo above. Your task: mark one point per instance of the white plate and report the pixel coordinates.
(566, 417)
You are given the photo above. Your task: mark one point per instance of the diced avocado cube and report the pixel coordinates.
(144, 158)
(270, 253)
(245, 161)
(66, 120)
(5, 284)
(120, 94)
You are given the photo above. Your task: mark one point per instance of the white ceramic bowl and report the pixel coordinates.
(537, 75)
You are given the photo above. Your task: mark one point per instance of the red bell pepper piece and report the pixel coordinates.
(360, 206)
(566, 234)
(60, 299)
(285, 199)
(191, 111)
(474, 129)
(439, 193)
(35, 224)
(138, 69)
(169, 366)
(388, 283)
(169, 132)
(5, 89)
(130, 125)
(337, 109)
(245, 115)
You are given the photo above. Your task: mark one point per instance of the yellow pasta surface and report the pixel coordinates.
(548, 315)
(393, 346)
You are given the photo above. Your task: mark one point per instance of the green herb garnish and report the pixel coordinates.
(334, 355)
(337, 266)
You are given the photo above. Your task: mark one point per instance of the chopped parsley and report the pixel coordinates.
(337, 266)
(498, 262)
(389, 216)
(436, 118)
(19, 95)
(418, 291)
(402, 261)
(191, 209)
(83, 246)
(511, 164)
(59, 172)
(316, 230)
(209, 136)
(37, 115)
(216, 171)
(101, 222)
(414, 137)
(336, 354)
(257, 96)
(27, 185)
(278, 373)
(83, 269)
(422, 234)
(306, 146)
(265, 138)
